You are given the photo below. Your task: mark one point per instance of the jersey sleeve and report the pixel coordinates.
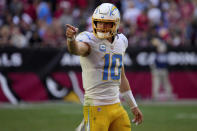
(125, 41)
(84, 37)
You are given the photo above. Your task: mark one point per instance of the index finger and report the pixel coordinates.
(70, 26)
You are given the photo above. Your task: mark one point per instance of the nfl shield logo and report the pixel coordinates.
(102, 47)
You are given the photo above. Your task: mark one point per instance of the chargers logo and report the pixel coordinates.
(102, 47)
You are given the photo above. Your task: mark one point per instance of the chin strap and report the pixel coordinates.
(103, 35)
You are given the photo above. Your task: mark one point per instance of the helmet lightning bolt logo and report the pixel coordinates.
(113, 9)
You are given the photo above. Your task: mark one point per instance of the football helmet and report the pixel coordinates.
(106, 12)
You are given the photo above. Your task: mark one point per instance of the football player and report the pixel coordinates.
(101, 56)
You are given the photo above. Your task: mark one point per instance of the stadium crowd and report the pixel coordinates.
(41, 23)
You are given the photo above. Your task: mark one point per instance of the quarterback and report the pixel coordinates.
(101, 56)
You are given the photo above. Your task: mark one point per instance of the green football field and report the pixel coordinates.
(173, 116)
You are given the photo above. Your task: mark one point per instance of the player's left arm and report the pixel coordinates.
(128, 97)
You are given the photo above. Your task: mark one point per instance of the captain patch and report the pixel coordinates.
(102, 47)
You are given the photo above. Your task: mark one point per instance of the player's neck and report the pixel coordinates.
(111, 39)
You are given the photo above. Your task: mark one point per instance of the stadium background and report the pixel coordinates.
(35, 66)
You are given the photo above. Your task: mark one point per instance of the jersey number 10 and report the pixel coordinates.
(112, 65)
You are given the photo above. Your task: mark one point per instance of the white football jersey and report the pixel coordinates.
(101, 69)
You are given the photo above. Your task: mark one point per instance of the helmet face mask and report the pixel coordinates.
(106, 13)
(104, 33)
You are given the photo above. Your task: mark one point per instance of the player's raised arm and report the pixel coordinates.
(128, 97)
(74, 47)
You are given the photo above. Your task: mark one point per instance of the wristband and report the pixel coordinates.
(128, 97)
(70, 39)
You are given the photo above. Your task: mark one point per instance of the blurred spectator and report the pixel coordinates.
(66, 16)
(26, 25)
(16, 7)
(81, 4)
(49, 37)
(152, 33)
(186, 9)
(2, 6)
(7, 19)
(35, 40)
(143, 22)
(5, 36)
(30, 9)
(195, 9)
(154, 15)
(173, 15)
(191, 33)
(131, 13)
(54, 35)
(18, 39)
(141, 4)
(58, 31)
(163, 32)
(44, 12)
(59, 9)
(174, 21)
(155, 2)
(71, 2)
(42, 27)
(160, 78)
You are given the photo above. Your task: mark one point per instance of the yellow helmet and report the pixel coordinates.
(106, 12)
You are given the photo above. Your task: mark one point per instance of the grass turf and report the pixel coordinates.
(66, 117)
